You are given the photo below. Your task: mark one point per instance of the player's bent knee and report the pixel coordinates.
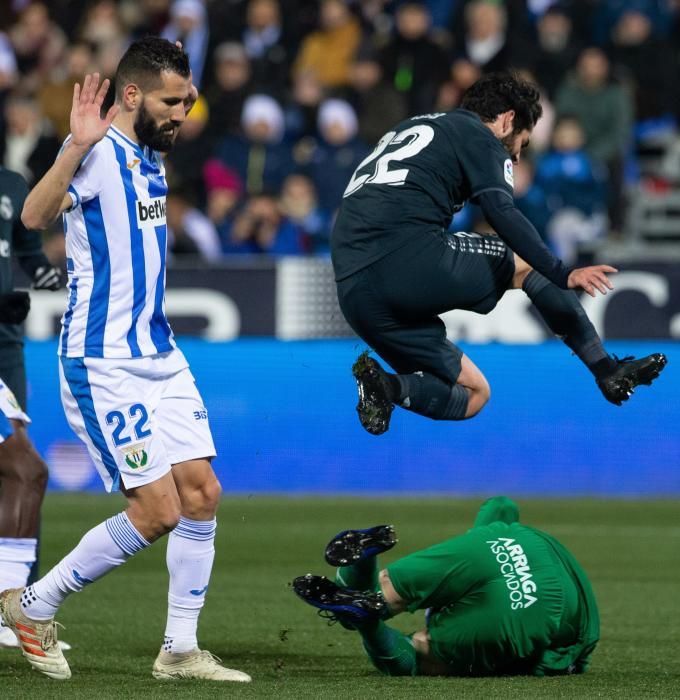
(479, 397)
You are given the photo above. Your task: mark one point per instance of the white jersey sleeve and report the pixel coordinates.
(87, 181)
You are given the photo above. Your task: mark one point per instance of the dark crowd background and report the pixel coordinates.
(295, 94)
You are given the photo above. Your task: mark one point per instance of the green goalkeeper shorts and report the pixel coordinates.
(499, 597)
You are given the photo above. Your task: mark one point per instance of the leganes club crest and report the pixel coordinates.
(135, 456)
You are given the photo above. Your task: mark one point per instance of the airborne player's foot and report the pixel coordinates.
(37, 638)
(619, 385)
(349, 608)
(199, 664)
(351, 546)
(375, 397)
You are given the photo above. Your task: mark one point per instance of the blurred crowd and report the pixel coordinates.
(295, 93)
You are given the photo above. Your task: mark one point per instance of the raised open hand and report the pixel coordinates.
(87, 124)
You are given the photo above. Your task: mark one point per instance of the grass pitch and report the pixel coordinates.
(254, 622)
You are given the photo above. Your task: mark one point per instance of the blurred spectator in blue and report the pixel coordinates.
(555, 52)
(413, 62)
(329, 51)
(648, 63)
(530, 198)
(260, 157)
(260, 227)
(229, 88)
(574, 185)
(608, 13)
(300, 205)
(378, 103)
(102, 28)
(190, 231)
(302, 108)
(265, 43)
(8, 64)
(223, 190)
(338, 152)
(189, 24)
(39, 45)
(56, 95)
(194, 145)
(605, 111)
(30, 146)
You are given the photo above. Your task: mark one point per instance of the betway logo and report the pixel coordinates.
(151, 211)
(516, 571)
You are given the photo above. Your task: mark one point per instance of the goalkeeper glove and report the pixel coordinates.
(48, 277)
(14, 307)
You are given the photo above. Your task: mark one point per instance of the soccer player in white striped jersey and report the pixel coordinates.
(126, 388)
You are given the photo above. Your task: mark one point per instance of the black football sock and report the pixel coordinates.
(562, 311)
(430, 396)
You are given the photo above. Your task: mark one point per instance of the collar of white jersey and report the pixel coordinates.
(139, 151)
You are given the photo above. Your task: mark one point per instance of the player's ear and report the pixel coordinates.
(132, 95)
(507, 123)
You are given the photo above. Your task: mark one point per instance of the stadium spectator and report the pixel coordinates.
(529, 197)
(299, 203)
(38, 43)
(378, 103)
(190, 232)
(261, 227)
(412, 60)
(260, 157)
(102, 28)
(648, 64)
(486, 40)
(555, 52)
(328, 52)
(193, 147)
(605, 110)
(55, 96)
(607, 13)
(223, 190)
(574, 187)
(338, 152)
(229, 89)
(189, 25)
(266, 46)
(463, 75)
(301, 110)
(30, 146)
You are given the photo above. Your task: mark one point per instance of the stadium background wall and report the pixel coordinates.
(283, 418)
(294, 298)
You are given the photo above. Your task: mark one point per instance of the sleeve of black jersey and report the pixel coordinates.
(26, 243)
(521, 236)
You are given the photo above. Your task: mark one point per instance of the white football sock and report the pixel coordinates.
(191, 551)
(17, 555)
(102, 549)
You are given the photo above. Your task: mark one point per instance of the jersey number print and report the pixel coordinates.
(414, 139)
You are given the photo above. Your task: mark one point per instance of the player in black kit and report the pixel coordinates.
(397, 268)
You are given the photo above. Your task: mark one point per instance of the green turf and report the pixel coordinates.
(254, 622)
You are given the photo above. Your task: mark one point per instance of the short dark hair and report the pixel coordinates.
(496, 93)
(146, 59)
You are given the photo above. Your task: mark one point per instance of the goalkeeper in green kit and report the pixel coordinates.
(502, 599)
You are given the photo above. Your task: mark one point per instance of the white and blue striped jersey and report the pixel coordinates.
(116, 253)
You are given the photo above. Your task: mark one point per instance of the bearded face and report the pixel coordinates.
(160, 136)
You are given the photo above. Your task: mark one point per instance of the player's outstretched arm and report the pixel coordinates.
(49, 198)
(591, 279)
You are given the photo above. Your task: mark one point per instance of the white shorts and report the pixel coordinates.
(9, 409)
(137, 416)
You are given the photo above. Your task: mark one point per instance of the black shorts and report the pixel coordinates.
(394, 304)
(13, 370)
